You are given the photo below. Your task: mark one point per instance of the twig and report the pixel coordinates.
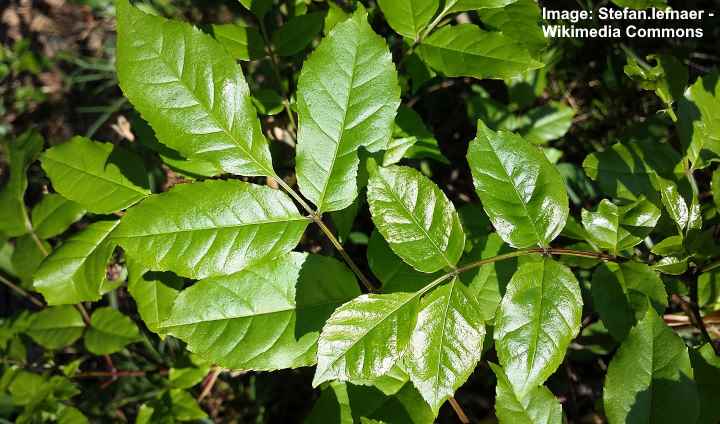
(459, 411)
(22, 292)
(210, 382)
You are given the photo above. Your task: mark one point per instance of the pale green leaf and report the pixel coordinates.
(416, 218)
(538, 318)
(185, 378)
(21, 152)
(649, 376)
(54, 214)
(241, 41)
(617, 228)
(347, 97)
(99, 176)
(191, 91)
(446, 343)
(76, 270)
(538, 406)
(265, 317)
(465, 50)
(27, 256)
(335, 15)
(297, 33)
(56, 327)
(522, 193)
(364, 338)
(236, 224)
(620, 294)
(409, 18)
(110, 331)
(154, 293)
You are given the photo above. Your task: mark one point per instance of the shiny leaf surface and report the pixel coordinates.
(617, 228)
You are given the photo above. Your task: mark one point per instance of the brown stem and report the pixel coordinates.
(459, 411)
(210, 382)
(84, 313)
(22, 292)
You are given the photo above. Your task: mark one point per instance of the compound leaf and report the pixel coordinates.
(416, 218)
(237, 224)
(538, 317)
(110, 331)
(522, 193)
(347, 97)
(99, 176)
(265, 317)
(191, 91)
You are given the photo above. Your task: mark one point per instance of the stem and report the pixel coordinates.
(710, 267)
(21, 292)
(210, 382)
(459, 411)
(83, 312)
(39, 244)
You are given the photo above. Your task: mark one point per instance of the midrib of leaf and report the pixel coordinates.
(208, 108)
(218, 227)
(532, 346)
(415, 221)
(517, 194)
(98, 176)
(485, 54)
(83, 259)
(442, 337)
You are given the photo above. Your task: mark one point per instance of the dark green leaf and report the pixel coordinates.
(706, 369)
(56, 327)
(409, 17)
(241, 41)
(297, 33)
(154, 293)
(110, 331)
(21, 153)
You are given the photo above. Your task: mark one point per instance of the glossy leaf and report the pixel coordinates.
(538, 317)
(667, 78)
(538, 406)
(346, 98)
(522, 193)
(617, 228)
(297, 33)
(191, 91)
(110, 331)
(364, 338)
(649, 376)
(673, 201)
(465, 5)
(76, 271)
(236, 225)
(21, 152)
(154, 293)
(56, 327)
(242, 42)
(465, 50)
(416, 218)
(27, 256)
(54, 214)
(411, 139)
(519, 20)
(265, 317)
(409, 18)
(100, 177)
(446, 343)
(394, 274)
(621, 292)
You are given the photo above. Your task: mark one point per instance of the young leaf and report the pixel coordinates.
(110, 331)
(416, 218)
(522, 193)
(21, 152)
(76, 270)
(241, 41)
(538, 317)
(191, 91)
(538, 406)
(673, 201)
(446, 343)
(154, 293)
(364, 338)
(100, 177)
(706, 369)
(297, 33)
(409, 17)
(237, 224)
(56, 327)
(54, 214)
(347, 97)
(620, 294)
(649, 376)
(617, 228)
(265, 317)
(465, 50)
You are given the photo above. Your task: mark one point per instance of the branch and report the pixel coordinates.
(210, 382)
(21, 292)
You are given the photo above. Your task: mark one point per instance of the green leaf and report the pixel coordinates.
(394, 274)
(522, 193)
(71, 415)
(297, 33)
(649, 376)
(241, 41)
(538, 406)
(110, 331)
(465, 50)
(411, 139)
(716, 188)
(409, 18)
(185, 378)
(54, 214)
(671, 246)
(416, 218)
(21, 152)
(335, 15)
(667, 78)
(706, 369)
(347, 97)
(672, 265)
(705, 124)
(100, 177)
(258, 7)
(236, 225)
(364, 338)
(549, 123)
(56, 327)
(160, 66)
(617, 228)
(154, 293)
(446, 343)
(452, 6)
(538, 318)
(673, 201)
(519, 20)
(620, 294)
(641, 4)
(76, 270)
(265, 317)
(268, 101)
(27, 257)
